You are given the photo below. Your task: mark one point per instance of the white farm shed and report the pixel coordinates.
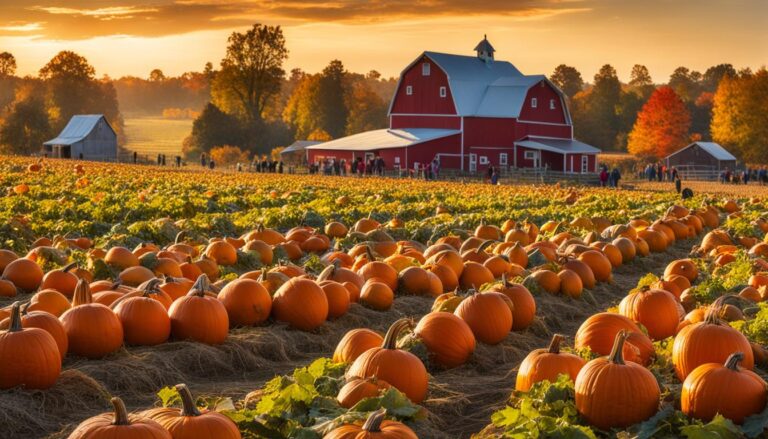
(87, 137)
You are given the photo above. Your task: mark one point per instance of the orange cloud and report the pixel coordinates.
(83, 19)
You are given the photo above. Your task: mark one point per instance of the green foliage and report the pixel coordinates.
(756, 329)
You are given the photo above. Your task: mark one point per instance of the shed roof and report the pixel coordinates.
(561, 146)
(384, 139)
(299, 145)
(77, 129)
(714, 149)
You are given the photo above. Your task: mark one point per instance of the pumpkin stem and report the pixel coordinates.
(67, 268)
(15, 317)
(201, 286)
(733, 360)
(189, 408)
(390, 339)
(82, 295)
(179, 237)
(504, 281)
(327, 272)
(369, 252)
(121, 414)
(373, 423)
(616, 356)
(554, 345)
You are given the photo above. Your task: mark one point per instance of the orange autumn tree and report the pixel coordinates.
(662, 125)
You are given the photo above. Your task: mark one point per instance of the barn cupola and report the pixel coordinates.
(485, 50)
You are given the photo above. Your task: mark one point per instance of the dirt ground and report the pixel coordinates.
(460, 400)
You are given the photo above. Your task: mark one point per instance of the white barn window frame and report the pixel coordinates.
(425, 69)
(503, 159)
(552, 104)
(409, 90)
(530, 155)
(484, 160)
(534, 102)
(443, 92)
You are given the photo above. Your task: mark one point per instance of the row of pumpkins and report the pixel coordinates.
(191, 422)
(94, 325)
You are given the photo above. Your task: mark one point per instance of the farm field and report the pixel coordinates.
(282, 267)
(150, 136)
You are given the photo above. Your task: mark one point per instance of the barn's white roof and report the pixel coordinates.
(560, 146)
(299, 145)
(383, 139)
(714, 149)
(77, 129)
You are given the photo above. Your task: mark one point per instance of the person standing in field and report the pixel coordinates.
(202, 160)
(494, 176)
(436, 167)
(603, 176)
(615, 177)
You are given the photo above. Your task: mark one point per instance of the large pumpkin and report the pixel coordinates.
(474, 275)
(338, 298)
(401, 369)
(599, 331)
(599, 263)
(189, 422)
(222, 252)
(45, 321)
(61, 280)
(488, 314)
(145, 320)
(301, 303)
(24, 273)
(92, 328)
(199, 316)
(382, 271)
(377, 295)
(710, 341)
(729, 390)
(683, 267)
(657, 310)
(29, 356)
(247, 302)
(354, 343)
(50, 301)
(374, 427)
(119, 425)
(524, 311)
(547, 364)
(447, 337)
(613, 394)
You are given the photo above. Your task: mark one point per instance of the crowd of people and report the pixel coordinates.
(609, 178)
(745, 176)
(659, 172)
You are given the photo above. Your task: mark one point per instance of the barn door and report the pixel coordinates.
(473, 163)
(584, 164)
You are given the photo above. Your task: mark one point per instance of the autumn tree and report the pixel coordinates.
(567, 79)
(212, 128)
(319, 135)
(331, 95)
(26, 126)
(367, 111)
(302, 111)
(713, 75)
(662, 125)
(640, 76)
(740, 115)
(156, 75)
(251, 72)
(685, 82)
(596, 112)
(228, 155)
(7, 64)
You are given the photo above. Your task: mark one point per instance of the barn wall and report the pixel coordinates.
(543, 92)
(523, 129)
(100, 144)
(693, 156)
(489, 131)
(413, 121)
(493, 154)
(553, 159)
(426, 91)
(427, 151)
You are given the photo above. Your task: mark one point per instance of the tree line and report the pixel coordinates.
(250, 102)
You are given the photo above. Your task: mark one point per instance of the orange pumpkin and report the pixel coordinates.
(24, 273)
(50, 301)
(489, 315)
(382, 271)
(474, 275)
(191, 422)
(247, 302)
(199, 316)
(448, 338)
(727, 389)
(377, 295)
(121, 258)
(399, 368)
(599, 264)
(547, 364)
(61, 280)
(524, 309)
(338, 298)
(301, 303)
(119, 425)
(657, 310)
(93, 330)
(374, 427)
(29, 355)
(145, 320)
(683, 267)
(354, 343)
(599, 331)
(45, 321)
(610, 393)
(357, 389)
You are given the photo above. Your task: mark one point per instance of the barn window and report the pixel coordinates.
(425, 69)
(530, 155)
(443, 92)
(503, 159)
(409, 90)
(534, 102)
(551, 104)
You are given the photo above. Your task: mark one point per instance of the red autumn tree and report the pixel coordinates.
(662, 125)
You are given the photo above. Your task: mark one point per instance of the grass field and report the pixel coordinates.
(150, 136)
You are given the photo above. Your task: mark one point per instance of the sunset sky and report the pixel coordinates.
(123, 37)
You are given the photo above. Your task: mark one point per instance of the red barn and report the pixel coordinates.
(470, 112)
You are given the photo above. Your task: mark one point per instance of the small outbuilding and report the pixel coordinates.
(704, 156)
(89, 137)
(297, 152)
